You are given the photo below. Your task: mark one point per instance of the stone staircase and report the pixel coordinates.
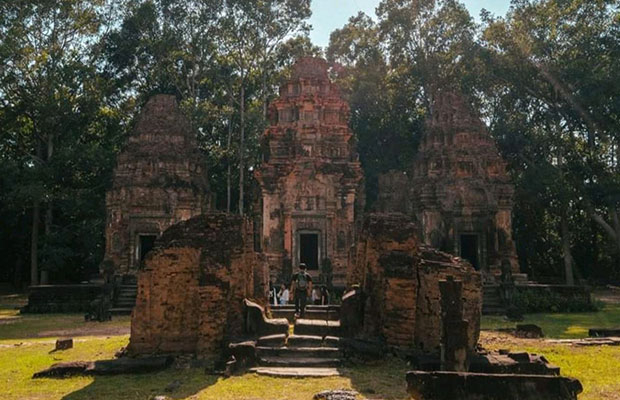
(492, 303)
(314, 348)
(125, 299)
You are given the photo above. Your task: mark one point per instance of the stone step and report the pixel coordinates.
(494, 311)
(317, 327)
(312, 341)
(293, 372)
(333, 307)
(121, 310)
(309, 314)
(272, 340)
(299, 352)
(304, 362)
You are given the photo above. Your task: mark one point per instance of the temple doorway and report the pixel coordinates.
(469, 249)
(145, 245)
(309, 250)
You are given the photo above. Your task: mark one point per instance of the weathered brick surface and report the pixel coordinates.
(191, 291)
(457, 185)
(400, 281)
(470, 386)
(160, 179)
(311, 177)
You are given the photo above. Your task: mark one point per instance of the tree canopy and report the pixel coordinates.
(76, 72)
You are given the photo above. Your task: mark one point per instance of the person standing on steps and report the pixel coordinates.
(301, 287)
(283, 295)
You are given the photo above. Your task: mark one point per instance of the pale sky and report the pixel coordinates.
(328, 15)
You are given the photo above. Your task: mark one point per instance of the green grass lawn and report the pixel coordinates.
(562, 326)
(26, 342)
(596, 367)
(384, 380)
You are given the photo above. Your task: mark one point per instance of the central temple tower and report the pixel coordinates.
(310, 177)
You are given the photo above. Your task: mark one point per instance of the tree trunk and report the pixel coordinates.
(34, 235)
(264, 89)
(229, 170)
(34, 244)
(613, 232)
(242, 147)
(568, 258)
(48, 210)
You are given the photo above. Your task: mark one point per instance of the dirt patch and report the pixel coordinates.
(88, 330)
(494, 340)
(609, 295)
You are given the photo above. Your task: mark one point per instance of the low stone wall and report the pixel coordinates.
(399, 285)
(469, 386)
(61, 298)
(191, 291)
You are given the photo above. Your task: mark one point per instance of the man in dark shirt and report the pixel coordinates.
(301, 286)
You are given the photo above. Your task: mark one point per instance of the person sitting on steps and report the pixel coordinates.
(301, 287)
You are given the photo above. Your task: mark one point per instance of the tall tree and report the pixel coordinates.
(250, 35)
(44, 50)
(540, 59)
(386, 113)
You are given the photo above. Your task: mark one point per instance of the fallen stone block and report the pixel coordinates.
(505, 362)
(342, 394)
(61, 370)
(63, 344)
(444, 385)
(105, 367)
(529, 331)
(601, 332)
(130, 365)
(244, 353)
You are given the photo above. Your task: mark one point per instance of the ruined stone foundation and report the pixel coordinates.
(191, 290)
(399, 279)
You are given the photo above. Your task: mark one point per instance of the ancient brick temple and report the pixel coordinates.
(400, 281)
(160, 179)
(310, 178)
(192, 287)
(459, 189)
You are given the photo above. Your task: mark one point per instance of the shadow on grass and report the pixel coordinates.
(383, 379)
(176, 384)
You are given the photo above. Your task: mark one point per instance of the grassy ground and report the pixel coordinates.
(563, 326)
(596, 367)
(26, 342)
(384, 380)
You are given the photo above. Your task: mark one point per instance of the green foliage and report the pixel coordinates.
(75, 73)
(538, 301)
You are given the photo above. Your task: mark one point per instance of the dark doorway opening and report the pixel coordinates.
(469, 249)
(146, 244)
(309, 250)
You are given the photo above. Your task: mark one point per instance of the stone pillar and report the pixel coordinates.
(454, 342)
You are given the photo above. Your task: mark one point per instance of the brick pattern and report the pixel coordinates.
(310, 178)
(160, 179)
(400, 279)
(458, 184)
(191, 291)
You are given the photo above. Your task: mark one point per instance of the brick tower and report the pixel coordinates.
(310, 177)
(160, 179)
(461, 192)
